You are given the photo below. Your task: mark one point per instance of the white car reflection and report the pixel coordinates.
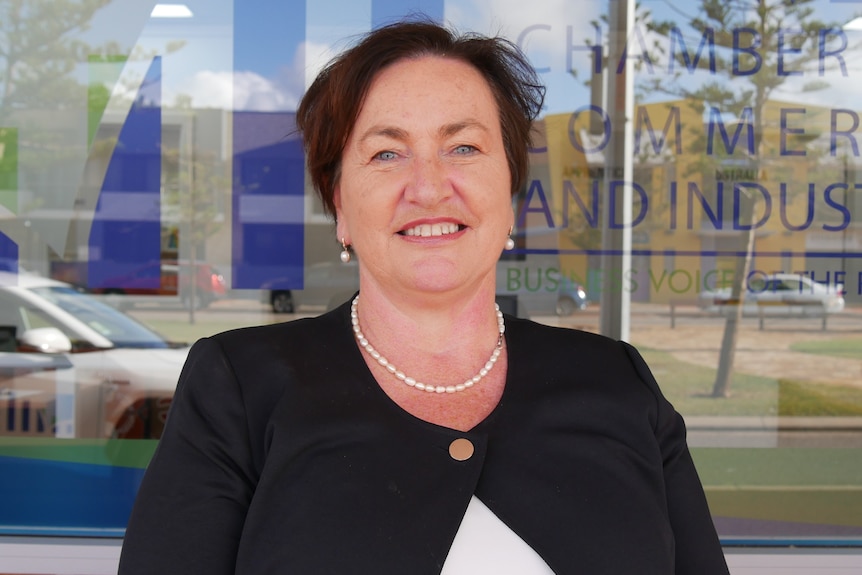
(778, 294)
(72, 366)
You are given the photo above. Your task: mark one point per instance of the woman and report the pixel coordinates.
(496, 445)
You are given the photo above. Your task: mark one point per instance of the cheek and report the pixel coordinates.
(374, 196)
(362, 217)
(499, 195)
(498, 176)
(361, 187)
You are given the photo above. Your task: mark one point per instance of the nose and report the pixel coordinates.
(429, 182)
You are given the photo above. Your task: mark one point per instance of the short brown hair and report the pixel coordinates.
(329, 108)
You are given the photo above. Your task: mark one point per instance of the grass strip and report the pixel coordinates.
(802, 399)
(114, 452)
(849, 348)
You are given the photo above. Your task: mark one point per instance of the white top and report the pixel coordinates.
(484, 544)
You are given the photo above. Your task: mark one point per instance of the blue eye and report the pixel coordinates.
(386, 155)
(464, 149)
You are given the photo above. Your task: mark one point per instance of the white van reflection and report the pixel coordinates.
(72, 366)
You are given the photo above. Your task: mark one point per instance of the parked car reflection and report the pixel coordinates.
(73, 366)
(177, 284)
(778, 294)
(540, 288)
(176, 280)
(326, 284)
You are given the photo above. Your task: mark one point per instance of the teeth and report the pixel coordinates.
(429, 230)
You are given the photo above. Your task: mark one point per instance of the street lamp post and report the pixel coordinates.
(615, 309)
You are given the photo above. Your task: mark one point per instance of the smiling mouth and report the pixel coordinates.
(432, 230)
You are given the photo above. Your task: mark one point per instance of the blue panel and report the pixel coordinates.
(8, 254)
(386, 11)
(269, 175)
(126, 232)
(70, 496)
(268, 239)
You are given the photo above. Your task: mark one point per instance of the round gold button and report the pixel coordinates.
(461, 449)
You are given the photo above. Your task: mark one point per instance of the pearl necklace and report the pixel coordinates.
(363, 342)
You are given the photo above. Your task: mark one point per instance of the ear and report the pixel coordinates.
(340, 222)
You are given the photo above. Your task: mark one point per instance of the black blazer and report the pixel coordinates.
(282, 455)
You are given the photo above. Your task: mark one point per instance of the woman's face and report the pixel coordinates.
(424, 194)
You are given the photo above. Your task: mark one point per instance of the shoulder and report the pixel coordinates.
(264, 361)
(545, 339)
(258, 366)
(297, 337)
(579, 358)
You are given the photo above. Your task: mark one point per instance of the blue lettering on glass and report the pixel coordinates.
(834, 132)
(702, 209)
(595, 50)
(643, 119)
(783, 49)
(591, 216)
(612, 207)
(715, 217)
(784, 131)
(543, 208)
(782, 210)
(707, 41)
(643, 57)
(750, 50)
(606, 127)
(521, 43)
(824, 53)
(746, 120)
(746, 44)
(843, 209)
(126, 232)
(739, 189)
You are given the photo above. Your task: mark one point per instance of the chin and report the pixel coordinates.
(435, 285)
(432, 270)
(444, 284)
(439, 275)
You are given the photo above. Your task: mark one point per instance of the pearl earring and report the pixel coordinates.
(510, 243)
(345, 252)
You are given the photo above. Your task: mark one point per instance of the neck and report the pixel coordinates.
(435, 323)
(419, 383)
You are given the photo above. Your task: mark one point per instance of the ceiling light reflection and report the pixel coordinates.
(171, 11)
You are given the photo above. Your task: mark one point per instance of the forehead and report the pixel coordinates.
(429, 88)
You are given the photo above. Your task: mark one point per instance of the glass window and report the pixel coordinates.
(693, 189)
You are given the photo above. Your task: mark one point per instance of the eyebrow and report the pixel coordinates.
(454, 128)
(385, 131)
(399, 134)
